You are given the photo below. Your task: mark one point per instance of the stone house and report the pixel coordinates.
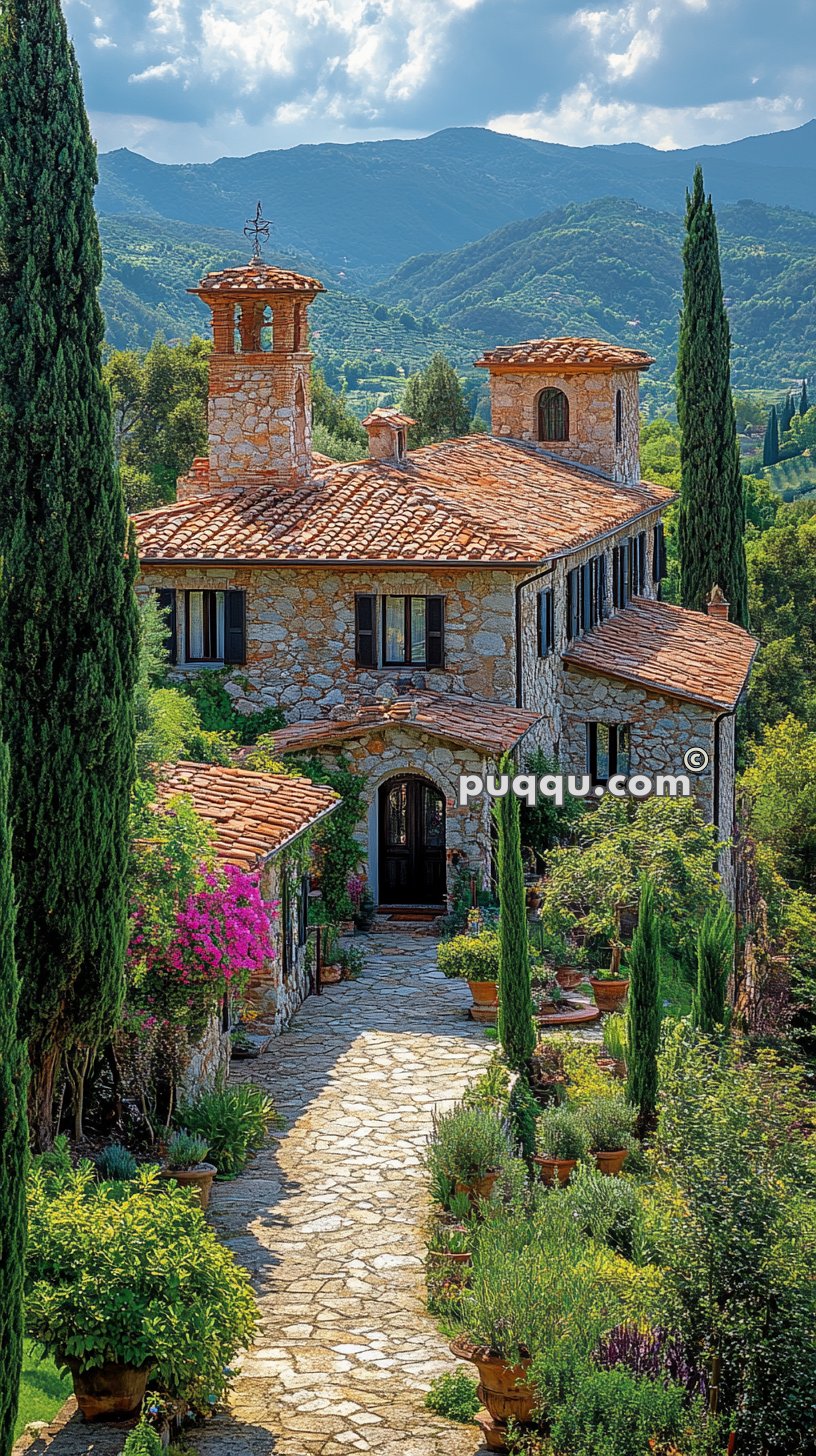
(262, 824)
(422, 612)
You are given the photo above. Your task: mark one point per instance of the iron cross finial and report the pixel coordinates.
(256, 229)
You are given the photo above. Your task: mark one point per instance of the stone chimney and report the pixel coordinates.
(576, 398)
(717, 606)
(259, 407)
(388, 435)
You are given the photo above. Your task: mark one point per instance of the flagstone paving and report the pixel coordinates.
(329, 1221)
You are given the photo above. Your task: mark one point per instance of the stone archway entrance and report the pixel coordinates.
(411, 842)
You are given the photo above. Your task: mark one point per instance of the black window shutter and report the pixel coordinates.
(435, 631)
(573, 602)
(235, 627)
(601, 587)
(592, 750)
(586, 596)
(626, 572)
(550, 621)
(365, 615)
(659, 553)
(167, 605)
(546, 634)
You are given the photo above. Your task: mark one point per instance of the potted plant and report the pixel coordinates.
(614, 1046)
(469, 1146)
(449, 1249)
(546, 1073)
(331, 969)
(185, 1162)
(561, 1142)
(365, 912)
(609, 985)
(500, 1313)
(104, 1266)
(475, 959)
(610, 1126)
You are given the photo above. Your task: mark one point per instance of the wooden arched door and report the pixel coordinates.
(412, 842)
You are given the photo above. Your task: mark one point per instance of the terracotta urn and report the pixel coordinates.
(568, 977)
(609, 995)
(108, 1390)
(481, 1188)
(552, 1170)
(200, 1179)
(484, 993)
(503, 1387)
(611, 1163)
(330, 975)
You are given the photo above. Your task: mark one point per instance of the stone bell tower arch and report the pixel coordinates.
(259, 406)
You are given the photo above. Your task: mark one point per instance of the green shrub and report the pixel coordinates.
(614, 1036)
(610, 1123)
(218, 714)
(116, 1164)
(605, 1209)
(143, 1441)
(561, 1133)
(467, 1143)
(138, 1279)
(54, 1164)
(613, 1413)
(185, 1151)
(491, 1090)
(453, 1395)
(471, 957)
(233, 1121)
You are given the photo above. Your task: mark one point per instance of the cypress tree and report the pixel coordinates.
(68, 620)
(770, 448)
(715, 956)
(515, 1026)
(786, 416)
(803, 399)
(643, 1008)
(711, 518)
(13, 1141)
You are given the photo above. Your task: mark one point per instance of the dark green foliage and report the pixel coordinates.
(804, 404)
(715, 956)
(770, 447)
(785, 416)
(546, 824)
(336, 432)
(338, 850)
(712, 510)
(515, 1024)
(13, 1140)
(143, 1441)
(217, 712)
(643, 1009)
(454, 1396)
(233, 1122)
(160, 416)
(68, 620)
(436, 401)
(524, 1114)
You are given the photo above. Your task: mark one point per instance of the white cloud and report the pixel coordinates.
(583, 118)
(165, 71)
(104, 43)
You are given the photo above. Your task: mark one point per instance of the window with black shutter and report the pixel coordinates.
(618, 418)
(587, 575)
(573, 602)
(413, 631)
(607, 751)
(235, 627)
(435, 622)
(659, 553)
(638, 570)
(303, 910)
(602, 608)
(166, 599)
(365, 616)
(546, 622)
(621, 574)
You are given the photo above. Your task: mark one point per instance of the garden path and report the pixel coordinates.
(328, 1220)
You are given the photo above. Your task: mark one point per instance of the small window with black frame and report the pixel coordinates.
(413, 631)
(608, 751)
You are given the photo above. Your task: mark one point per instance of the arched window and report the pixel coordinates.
(237, 329)
(267, 331)
(553, 415)
(618, 418)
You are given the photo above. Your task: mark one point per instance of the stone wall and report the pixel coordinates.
(259, 420)
(301, 635)
(390, 751)
(543, 677)
(592, 412)
(272, 994)
(209, 1061)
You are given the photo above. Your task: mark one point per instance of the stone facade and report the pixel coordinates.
(276, 993)
(259, 419)
(592, 399)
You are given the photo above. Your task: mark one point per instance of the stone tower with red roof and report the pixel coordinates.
(259, 410)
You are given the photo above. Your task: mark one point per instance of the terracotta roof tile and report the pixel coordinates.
(254, 814)
(257, 278)
(492, 727)
(565, 353)
(383, 416)
(476, 500)
(687, 655)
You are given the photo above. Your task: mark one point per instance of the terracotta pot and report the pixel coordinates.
(446, 1257)
(611, 1163)
(616, 1066)
(484, 993)
(330, 975)
(482, 1188)
(200, 1178)
(109, 1390)
(568, 977)
(502, 1387)
(552, 1169)
(609, 995)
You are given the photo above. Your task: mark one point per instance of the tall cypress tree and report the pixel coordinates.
(711, 519)
(770, 448)
(715, 960)
(13, 1141)
(68, 621)
(643, 1009)
(515, 1024)
(804, 404)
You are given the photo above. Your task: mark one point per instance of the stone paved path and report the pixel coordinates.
(329, 1221)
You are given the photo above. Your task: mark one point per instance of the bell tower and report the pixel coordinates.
(259, 408)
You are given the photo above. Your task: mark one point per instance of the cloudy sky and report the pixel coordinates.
(191, 80)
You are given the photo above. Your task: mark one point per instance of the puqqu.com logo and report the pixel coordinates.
(531, 788)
